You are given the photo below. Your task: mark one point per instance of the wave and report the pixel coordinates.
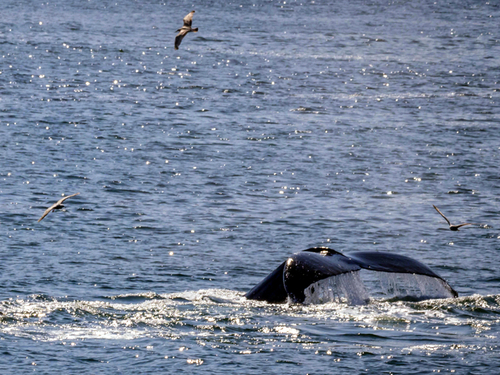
(129, 316)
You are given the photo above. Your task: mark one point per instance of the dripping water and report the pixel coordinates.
(355, 288)
(347, 287)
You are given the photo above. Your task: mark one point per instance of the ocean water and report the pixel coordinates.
(279, 126)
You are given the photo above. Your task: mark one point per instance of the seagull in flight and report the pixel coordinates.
(56, 206)
(186, 28)
(452, 227)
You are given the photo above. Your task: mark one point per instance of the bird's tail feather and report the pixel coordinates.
(194, 30)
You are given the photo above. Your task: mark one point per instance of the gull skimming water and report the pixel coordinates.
(452, 227)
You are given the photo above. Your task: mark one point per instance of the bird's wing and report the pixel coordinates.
(47, 211)
(63, 199)
(437, 209)
(179, 37)
(188, 19)
(461, 225)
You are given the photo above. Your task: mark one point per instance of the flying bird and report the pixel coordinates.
(186, 28)
(56, 206)
(452, 227)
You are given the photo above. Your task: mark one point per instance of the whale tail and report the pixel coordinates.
(301, 270)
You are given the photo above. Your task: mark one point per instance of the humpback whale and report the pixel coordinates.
(293, 278)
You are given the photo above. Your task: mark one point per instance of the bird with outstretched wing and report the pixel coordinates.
(56, 206)
(186, 28)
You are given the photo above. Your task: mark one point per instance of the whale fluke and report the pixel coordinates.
(292, 277)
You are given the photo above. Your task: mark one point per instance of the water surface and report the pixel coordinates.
(277, 127)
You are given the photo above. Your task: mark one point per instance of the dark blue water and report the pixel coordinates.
(278, 126)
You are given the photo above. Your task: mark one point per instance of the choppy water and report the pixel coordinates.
(278, 126)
